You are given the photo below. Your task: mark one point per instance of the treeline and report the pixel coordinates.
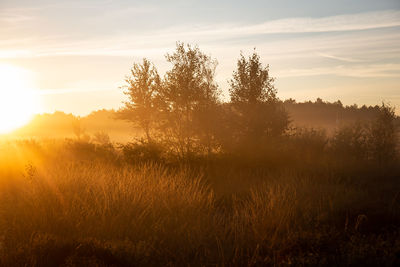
(59, 125)
(182, 115)
(310, 114)
(330, 115)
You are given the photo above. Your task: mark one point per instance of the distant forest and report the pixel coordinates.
(317, 114)
(310, 114)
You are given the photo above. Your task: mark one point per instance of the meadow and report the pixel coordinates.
(77, 203)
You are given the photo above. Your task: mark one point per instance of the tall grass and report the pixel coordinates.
(57, 209)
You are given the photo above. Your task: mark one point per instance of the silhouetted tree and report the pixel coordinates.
(251, 82)
(259, 113)
(143, 89)
(189, 94)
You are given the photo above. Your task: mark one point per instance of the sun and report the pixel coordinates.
(18, 100)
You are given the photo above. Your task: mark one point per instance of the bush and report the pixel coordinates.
(142, 151)
(306, 144)
(88, 151)
(382, 136)
(350, 141)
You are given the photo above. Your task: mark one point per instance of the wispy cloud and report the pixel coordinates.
(15, 16)
(344, 59)
(61, 91)
(340, 23)
(349, 22)
(359, 71)
(130, 42)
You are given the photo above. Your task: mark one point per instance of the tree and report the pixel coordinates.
(251, 82)
(143, 87)
(189, 93)
(260, 114)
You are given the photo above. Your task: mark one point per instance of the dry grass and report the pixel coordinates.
(59, 210)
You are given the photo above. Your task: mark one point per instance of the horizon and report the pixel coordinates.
(227, 102)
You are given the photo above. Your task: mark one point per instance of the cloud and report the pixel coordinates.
(344, 59)
(339, 23)
(359, 71)
(128, 42)
(70, 91)
(349, 22)
(13, 18)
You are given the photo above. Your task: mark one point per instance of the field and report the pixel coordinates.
(70, 203)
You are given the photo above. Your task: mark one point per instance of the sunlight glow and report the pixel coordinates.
(18, 101)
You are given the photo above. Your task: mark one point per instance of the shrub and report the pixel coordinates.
(142, 151)
(88, 151)
(382, 136)
(306, 143)
(350, 141)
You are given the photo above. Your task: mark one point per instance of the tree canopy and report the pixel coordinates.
(143, 87)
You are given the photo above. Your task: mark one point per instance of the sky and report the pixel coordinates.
(77, 53)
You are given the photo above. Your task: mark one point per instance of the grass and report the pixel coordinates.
(59, 209)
